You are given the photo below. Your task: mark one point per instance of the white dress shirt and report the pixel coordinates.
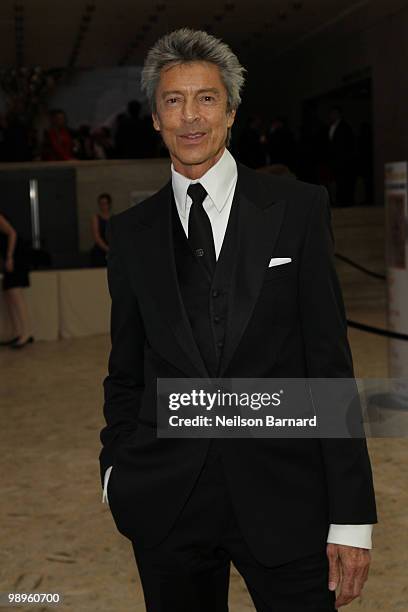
(219, 182)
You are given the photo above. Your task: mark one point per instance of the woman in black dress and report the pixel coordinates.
(15, 276)
(99, 227)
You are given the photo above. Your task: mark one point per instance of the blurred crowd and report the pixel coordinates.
(130, 137)
(324, 152)
(329, 152)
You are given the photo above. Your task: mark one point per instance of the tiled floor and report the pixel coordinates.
(55, 534)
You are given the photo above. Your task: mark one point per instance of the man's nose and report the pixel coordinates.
(190, 110)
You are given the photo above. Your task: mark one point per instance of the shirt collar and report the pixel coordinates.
(217, 181)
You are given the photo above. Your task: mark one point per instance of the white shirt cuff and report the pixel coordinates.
(105, 485)
(351, 535)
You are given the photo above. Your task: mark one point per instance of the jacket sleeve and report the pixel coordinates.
(124, 384)
(328, 355)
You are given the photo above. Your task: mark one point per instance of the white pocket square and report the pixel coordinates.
(277, 261)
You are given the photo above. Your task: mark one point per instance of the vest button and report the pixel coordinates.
(217, 319)
(220, 344)
(215, 293)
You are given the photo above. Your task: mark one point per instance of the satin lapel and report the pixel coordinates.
(259, 223)
(155, 249)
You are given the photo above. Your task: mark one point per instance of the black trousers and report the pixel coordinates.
(189, 570)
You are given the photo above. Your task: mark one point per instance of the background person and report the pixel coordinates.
(16, 276)
(281, 144)
(99, 231)
(341, 155)
(58, 144)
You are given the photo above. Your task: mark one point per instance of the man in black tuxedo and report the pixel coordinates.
(227, 273)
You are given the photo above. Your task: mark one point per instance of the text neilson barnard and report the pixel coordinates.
(238, 421)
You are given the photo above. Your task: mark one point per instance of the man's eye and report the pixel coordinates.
(171, 101)
(208, 98)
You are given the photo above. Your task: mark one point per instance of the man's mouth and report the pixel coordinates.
(192, 136)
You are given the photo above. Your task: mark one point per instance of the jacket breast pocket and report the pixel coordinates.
(280, 272)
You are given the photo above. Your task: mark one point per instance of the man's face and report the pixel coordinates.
(191, 103)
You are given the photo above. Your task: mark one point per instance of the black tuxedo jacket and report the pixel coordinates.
(283, 321)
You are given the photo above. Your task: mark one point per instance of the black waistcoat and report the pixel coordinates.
(205, 298)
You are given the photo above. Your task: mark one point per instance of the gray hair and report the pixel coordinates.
(187, 45)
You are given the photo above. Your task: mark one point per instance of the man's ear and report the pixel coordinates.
(231, 118)
(156, 122)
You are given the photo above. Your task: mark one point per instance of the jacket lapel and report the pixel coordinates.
(259, 222)
(155, 251)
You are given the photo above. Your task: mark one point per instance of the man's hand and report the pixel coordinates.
(348, 566)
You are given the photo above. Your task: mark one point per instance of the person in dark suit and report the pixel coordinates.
(197, 292)
(341, 149)
(281, 144)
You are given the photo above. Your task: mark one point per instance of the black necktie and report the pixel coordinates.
(200, 234)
